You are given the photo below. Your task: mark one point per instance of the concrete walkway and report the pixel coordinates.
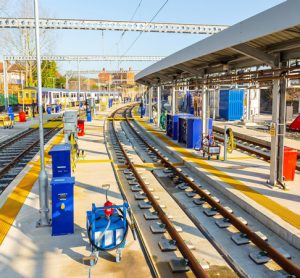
(28, 251)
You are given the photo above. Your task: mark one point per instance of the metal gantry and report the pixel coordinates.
(112, 25)
(75, 58)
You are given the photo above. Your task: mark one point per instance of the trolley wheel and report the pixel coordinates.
(118, 255)
(218, 157)
(208, 157)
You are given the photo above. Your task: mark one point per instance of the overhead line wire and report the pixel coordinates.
(140, 34)
(134, 13)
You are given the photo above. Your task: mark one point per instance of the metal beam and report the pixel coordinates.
(162, 77)
(255, 53)
(189, 70)
(112, 25)
(72, 72)
(109, 58)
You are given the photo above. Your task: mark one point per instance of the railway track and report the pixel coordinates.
(17, 152)
(199, 195)
(248, 144)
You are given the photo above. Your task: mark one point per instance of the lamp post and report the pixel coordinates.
(43, 177)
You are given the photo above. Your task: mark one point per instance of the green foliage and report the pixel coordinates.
(49, 74)
(60, 82)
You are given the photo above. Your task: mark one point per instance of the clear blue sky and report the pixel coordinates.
(226, 12)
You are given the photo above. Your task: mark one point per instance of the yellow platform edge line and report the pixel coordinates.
(118, 119)
(94, 160)
(16, 199)
(279, 210)
(53, 124)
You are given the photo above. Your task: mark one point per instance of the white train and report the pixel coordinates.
(53, 96)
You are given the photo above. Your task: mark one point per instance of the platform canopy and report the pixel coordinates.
(264, 39)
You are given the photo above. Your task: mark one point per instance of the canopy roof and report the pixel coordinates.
(264, 39)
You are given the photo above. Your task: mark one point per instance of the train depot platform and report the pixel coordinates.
(27, 251)
(260, 135)
(20, 127)
(241, 178)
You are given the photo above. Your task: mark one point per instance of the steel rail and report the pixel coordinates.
(139, 235)
(5, 169)
(248, 149)
(183, 248)
(288, 265)
(16, 138)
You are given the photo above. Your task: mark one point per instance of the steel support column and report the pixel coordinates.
(248, 105)
(158, 104)
(277, 130)
(173, 100)
(204, 110)
(281, 128)
(214, 105)
(150, 104)
(274, 132)
(5, 85)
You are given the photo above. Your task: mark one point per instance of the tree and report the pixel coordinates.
(51, 78)
(61, 82)
(22, 41)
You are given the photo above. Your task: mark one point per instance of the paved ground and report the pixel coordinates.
(19, 127)
(30, 252)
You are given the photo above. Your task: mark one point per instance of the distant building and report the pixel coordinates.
(15, 76)
(121, 77)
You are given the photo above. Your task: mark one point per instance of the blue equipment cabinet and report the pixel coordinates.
(62, 205)
(190, 132)
(49, 110)
(88, 115)
(231, 104)
(172, 124)
(107, 233)
(61, 160)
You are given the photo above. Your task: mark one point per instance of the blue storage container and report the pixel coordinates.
(61, 160)
(88, 115)
(231, 104)
(190, 132)
(172, 124)
(62, 205)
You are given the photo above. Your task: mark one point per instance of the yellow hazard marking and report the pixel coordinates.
(16, 199)
(118, 166)
(94, 160)
(239, 157)
(118, 119)
(155, 165)
(281, 211)
(98, 117)
(51, 124)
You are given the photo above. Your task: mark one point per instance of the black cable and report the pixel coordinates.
(140, 34)
(121, 215)
(134, 13)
